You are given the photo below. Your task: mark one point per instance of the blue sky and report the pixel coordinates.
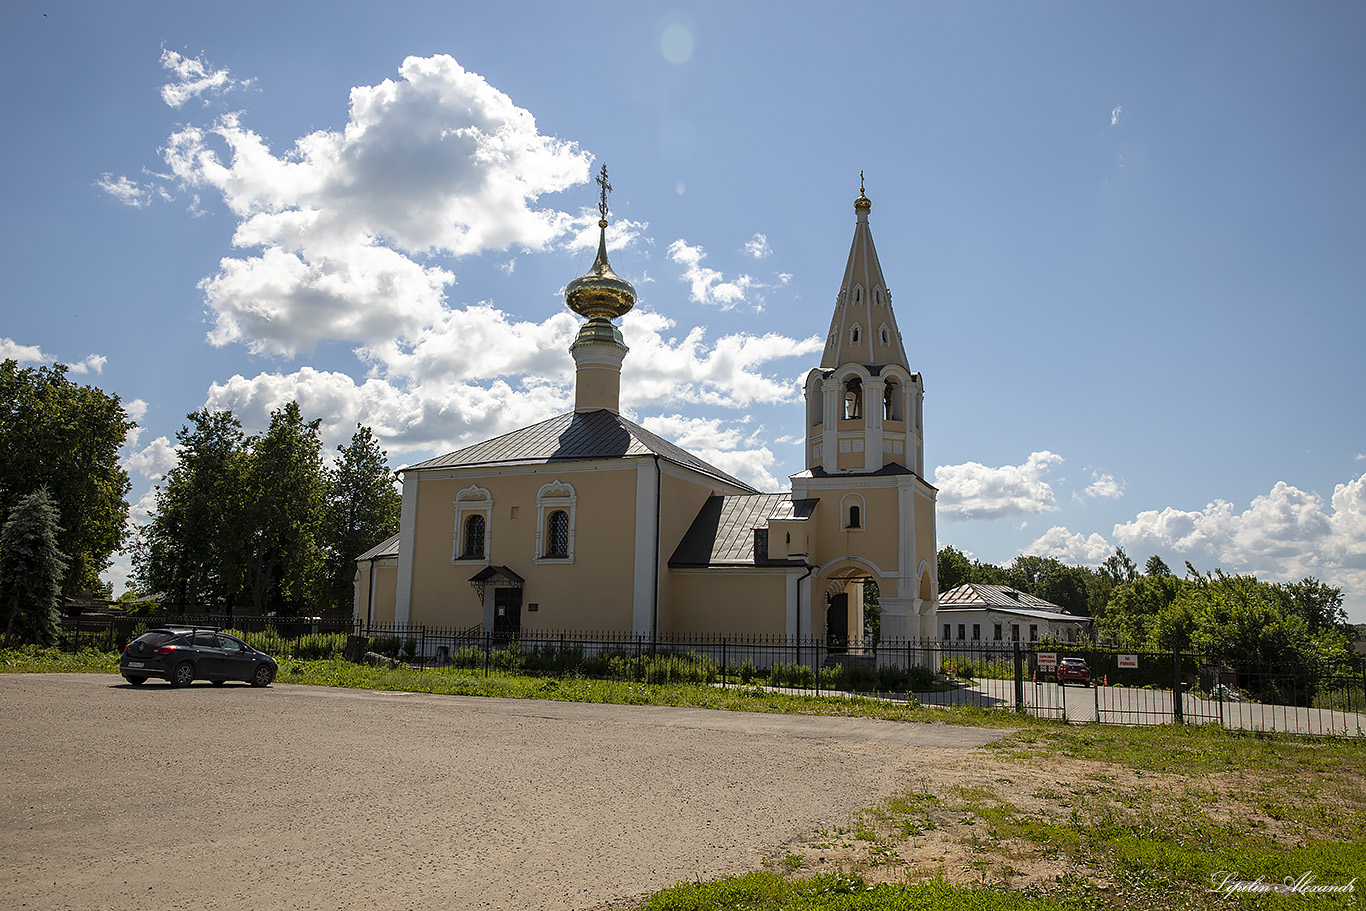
(1124, 241)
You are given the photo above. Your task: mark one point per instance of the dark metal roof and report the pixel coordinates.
(891, 468)
(575, 437)
(723, 532)
(492, 572)
(386, 548)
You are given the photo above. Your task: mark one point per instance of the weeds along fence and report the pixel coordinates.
(1125, 686)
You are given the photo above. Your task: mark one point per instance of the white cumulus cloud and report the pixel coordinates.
(125, 190)
(1076, 549)
(1284, 534)
(191, 77)
(758, 247)
(707, 285)
(975, 491)
(11, 350)
(725, 444)
(153, 460)
(438, 161)
(1103, 486)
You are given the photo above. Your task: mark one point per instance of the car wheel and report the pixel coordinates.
(183, 675)
(135, 681)
(263, 676)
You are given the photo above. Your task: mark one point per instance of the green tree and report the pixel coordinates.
(1133, 608)
(1156, 567)
(1051, 579)
(284, 507)
(191, 552)
(1119, 567)
(66, 437)
(362, 510)
(954, 568)
(1318, 604)
(31, 570)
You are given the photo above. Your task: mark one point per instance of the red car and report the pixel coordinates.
(1074, 670)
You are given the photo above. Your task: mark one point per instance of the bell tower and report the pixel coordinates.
(865, 461)
(864, 405)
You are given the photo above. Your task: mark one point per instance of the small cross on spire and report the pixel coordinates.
(860, 181)
(606, 188)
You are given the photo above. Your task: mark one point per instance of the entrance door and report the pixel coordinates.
(837, 623)
(507, 612)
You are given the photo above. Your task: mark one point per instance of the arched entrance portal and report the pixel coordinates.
(845, 611)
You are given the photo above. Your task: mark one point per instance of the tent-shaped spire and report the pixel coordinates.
(863, 330)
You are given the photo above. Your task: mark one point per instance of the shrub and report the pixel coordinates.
(790, 673)
(509, 659)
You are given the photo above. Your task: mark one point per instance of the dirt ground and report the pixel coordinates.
(310, 798)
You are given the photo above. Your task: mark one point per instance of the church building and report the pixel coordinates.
(589, 522)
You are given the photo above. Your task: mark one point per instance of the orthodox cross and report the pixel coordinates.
(860, 180)
(606, 188)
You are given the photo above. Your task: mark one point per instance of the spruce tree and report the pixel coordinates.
(31, 571)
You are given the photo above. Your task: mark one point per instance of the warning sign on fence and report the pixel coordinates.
(1128, 661)
(1048, 661)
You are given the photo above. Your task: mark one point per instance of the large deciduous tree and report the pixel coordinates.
(65, 437)
(284, 511)
(362, 510)
(261, 520)
(31, 570)
(191, 553)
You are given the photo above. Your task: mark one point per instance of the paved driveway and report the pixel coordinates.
(306, 798)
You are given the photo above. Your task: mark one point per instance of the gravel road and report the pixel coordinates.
(298, 797)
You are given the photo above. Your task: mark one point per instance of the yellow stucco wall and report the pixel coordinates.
(604, 544)
(925, 544)
(723, 602)
(681, 499)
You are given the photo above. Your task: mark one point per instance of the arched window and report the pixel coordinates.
(556, 506)
(851, 512)
(557, 534)
(474, 536)
(854, 335)
(853, 398)
(891, 401)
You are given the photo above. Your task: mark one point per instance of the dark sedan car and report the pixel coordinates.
(185, 655)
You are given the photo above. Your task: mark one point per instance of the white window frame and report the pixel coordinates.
(853, 499)
(555, 495)
(473, 500)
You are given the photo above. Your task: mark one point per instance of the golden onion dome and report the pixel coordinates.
(863, 202)
(600, 292)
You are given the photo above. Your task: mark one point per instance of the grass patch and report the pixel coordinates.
(842, 892)
(31, 659)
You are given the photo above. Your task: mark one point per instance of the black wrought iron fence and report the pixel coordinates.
(1121, 686)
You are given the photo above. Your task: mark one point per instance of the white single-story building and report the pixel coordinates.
(987, 616)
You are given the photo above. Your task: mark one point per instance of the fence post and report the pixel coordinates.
(724, 665)
(1019, 677)
(1177, 713)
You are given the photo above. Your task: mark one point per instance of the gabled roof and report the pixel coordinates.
(723, 532)
(575, 437)
(386, 548)
(974, 594)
